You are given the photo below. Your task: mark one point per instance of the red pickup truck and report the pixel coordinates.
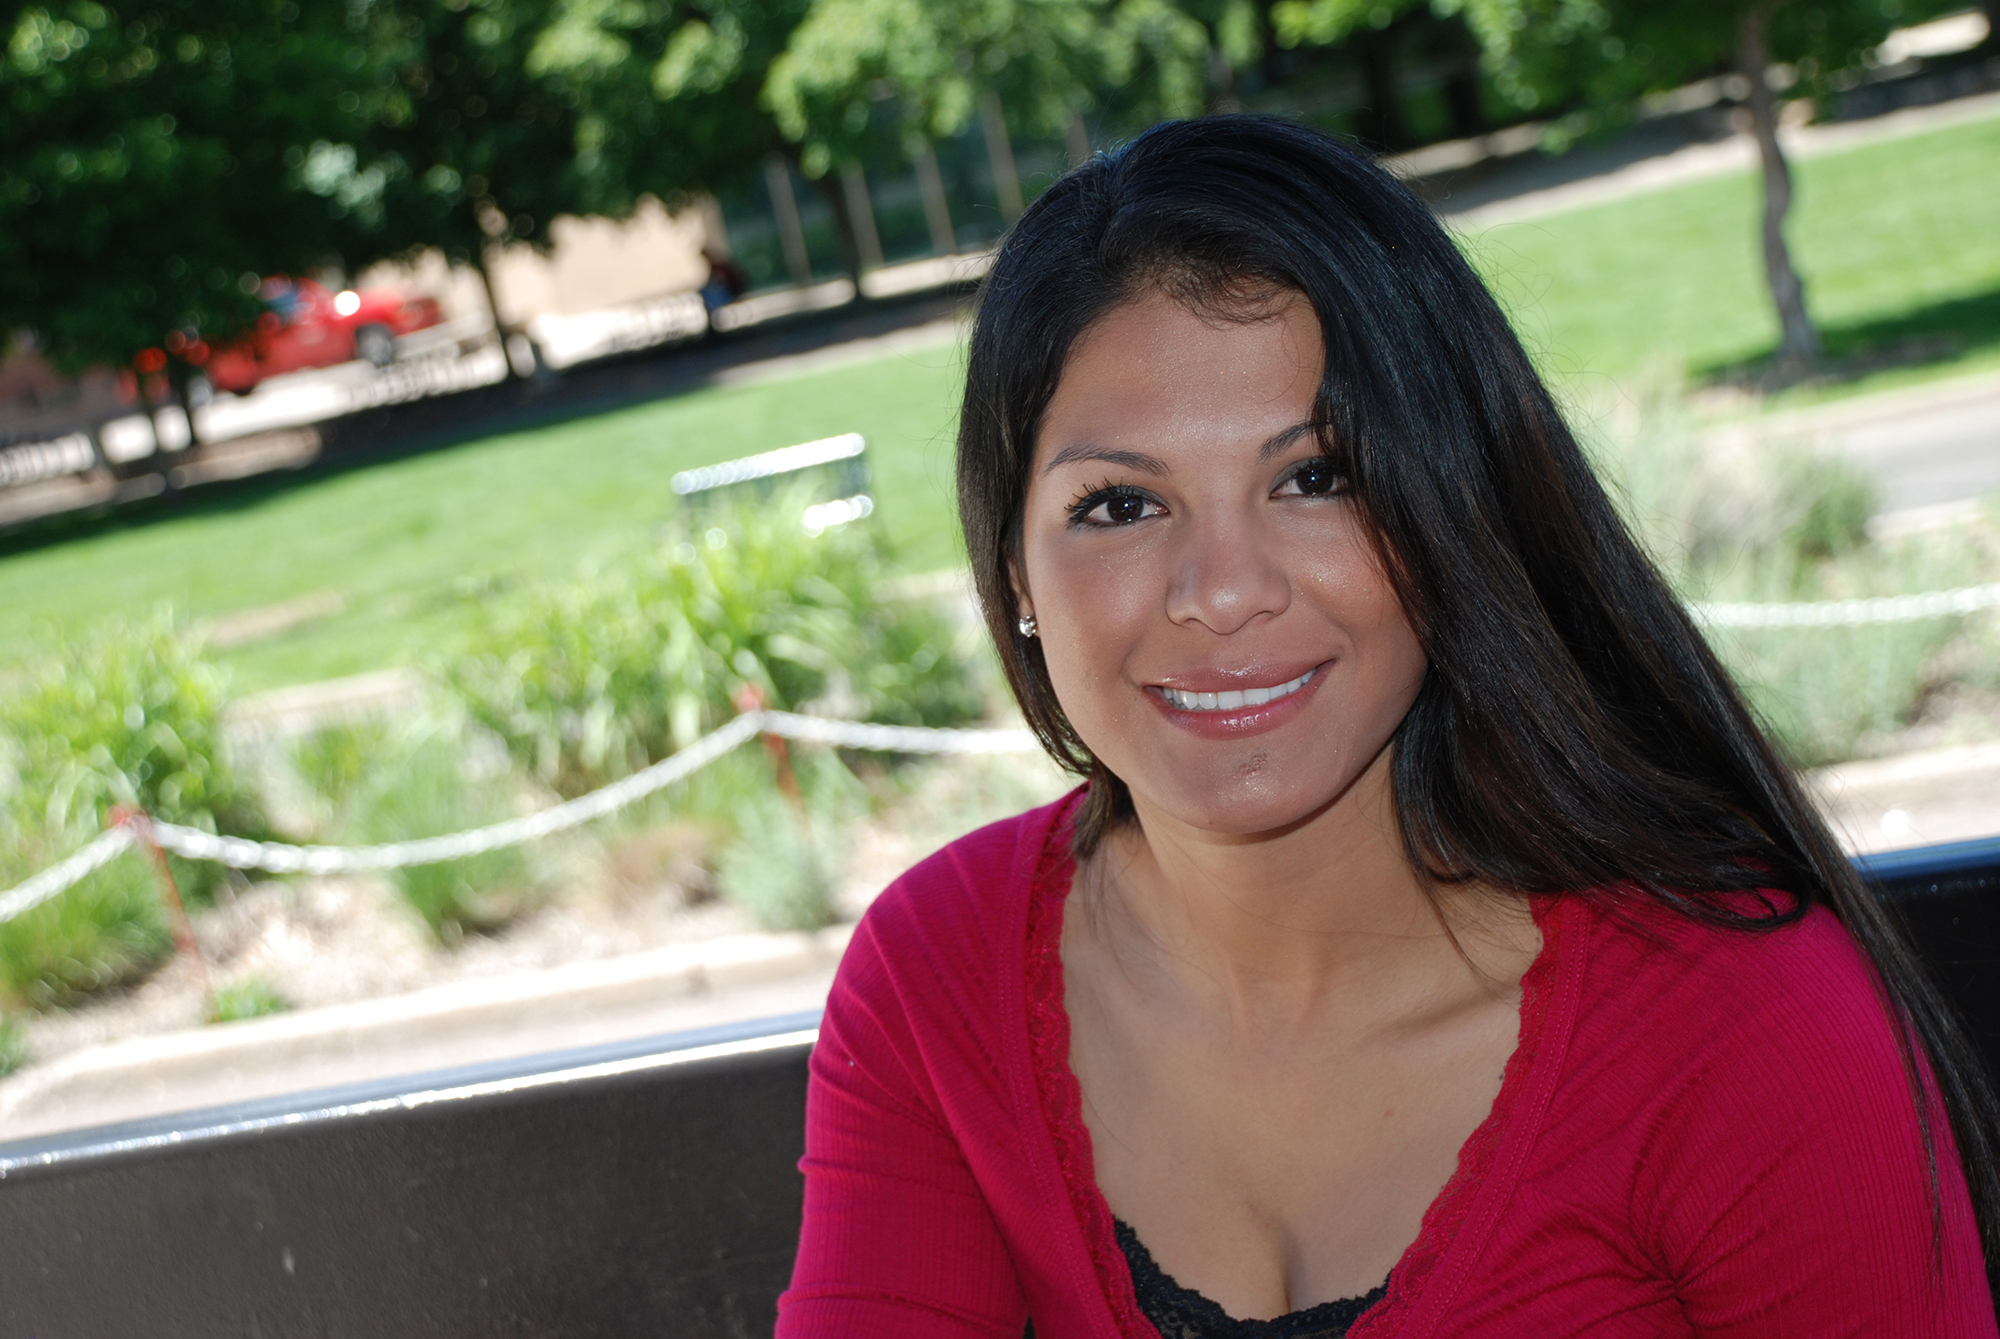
(304, 325)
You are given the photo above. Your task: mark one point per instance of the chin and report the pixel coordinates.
(1247, 804)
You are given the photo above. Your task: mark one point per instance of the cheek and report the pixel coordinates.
(1092, 609)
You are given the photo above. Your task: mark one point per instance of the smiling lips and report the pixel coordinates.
(1235, 699)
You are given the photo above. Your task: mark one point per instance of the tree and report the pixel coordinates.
(672, 94)
(1608, 53)
(137, 195)
(859, 78)
(479, 140)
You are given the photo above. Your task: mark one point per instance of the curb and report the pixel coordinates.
(574, 993)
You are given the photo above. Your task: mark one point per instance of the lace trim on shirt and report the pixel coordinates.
(1179, 1312)
(1062, 1095)
(1062, 1105)
(1475, 1159)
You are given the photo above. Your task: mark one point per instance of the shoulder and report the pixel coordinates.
(950, 933)
(1760, 1090)
(1801, 992)
(962, 899)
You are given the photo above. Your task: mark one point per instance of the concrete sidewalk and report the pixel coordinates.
(579, 1004)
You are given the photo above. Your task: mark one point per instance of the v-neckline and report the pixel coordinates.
(1457, 1222)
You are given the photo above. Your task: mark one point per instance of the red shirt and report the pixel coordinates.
(1703, 1132)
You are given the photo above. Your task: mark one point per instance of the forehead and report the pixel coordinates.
(1157, 372)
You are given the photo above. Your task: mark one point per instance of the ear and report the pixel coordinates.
(1024, 603)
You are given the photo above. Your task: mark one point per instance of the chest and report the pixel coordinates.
(1275, 1170)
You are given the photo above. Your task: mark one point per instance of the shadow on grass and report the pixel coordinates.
(1940, 333)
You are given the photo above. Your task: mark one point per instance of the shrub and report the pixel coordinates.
(130, 716)
(427, 783)
(335, 765)
(593, 679)
(783, 867)
(13, 1045)
(1761, 524)
(101, 933)
(1832, 501)
(247, 997)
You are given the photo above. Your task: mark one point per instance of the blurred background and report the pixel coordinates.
(363, 360)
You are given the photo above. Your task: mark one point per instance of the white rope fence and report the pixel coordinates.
(60, 877)
(283, 858)
(1850, 613)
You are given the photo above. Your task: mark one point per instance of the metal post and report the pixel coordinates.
(750, 698)
(854, 183)
(1006, 177)
(930, 184)
(791, 230)
(141, 824)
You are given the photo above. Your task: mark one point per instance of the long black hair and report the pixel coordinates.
(1574, 731)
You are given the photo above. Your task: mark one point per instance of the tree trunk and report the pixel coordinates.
(1382, 125)
(830, 190)
(937, 210)
(1798, 344)
(1000, 153)
(1076, 136)
(785, 212)
(493, 306)
(854, 186)
(1222, 81)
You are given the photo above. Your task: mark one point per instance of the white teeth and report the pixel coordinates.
(1234, 699)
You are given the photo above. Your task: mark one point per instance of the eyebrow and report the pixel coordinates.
(1153, 465)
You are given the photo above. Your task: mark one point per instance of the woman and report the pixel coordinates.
(1436, 947)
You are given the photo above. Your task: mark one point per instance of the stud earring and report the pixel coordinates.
(1026, 623)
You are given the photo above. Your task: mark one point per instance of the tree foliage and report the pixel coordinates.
(927, 62)
(672, 91)
(139, 190)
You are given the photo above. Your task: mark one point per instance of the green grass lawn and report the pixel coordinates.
(1895, 239)
(410, 544)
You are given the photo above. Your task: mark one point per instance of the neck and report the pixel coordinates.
(1275, 921)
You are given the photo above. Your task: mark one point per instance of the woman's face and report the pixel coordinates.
(1216, 624)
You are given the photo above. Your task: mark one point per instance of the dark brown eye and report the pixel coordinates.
(1125, 509)
(1114, 506)
(1313, 478)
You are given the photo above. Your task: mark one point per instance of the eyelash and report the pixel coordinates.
(1081, 507)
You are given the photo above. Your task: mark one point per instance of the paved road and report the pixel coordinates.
(1931, 447)
(1945, 452)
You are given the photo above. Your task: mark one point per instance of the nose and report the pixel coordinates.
(1226, 575)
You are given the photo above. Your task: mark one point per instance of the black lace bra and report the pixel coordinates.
(1182, 1313)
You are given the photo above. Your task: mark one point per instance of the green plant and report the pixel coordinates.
(429, 783)
(246, 997)
(335, 765)
(1832, 501)
(783, 868)
(13, 1045)
(1745, 522)
(128, 716)
(101, 933)
(592, 679)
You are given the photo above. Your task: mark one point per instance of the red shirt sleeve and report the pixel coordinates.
(1786, 1186)
(898, 1241)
